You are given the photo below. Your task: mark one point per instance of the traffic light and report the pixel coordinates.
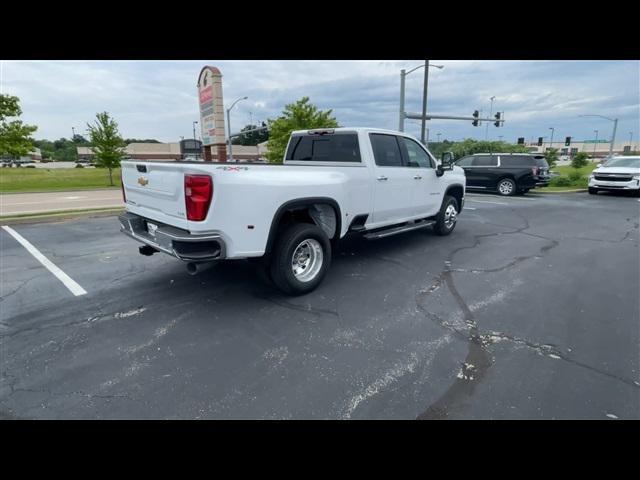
(264, 124)
(476, 114)
(540, 141)
(567, 141)
(497, 122)
(520, 140)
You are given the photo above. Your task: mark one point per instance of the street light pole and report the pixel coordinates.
(631, 141)
(438, 134)
(595, 144)
(613, 135)
(403, 75)
(194, 132)
(551, 141)
(229, 126)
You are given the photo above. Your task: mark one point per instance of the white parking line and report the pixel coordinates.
(469, 208)
(499, 196)
(481, 201)
(76, 289)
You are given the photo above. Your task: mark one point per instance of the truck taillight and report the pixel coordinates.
(535, 170)
(198, 190)
(124, 195)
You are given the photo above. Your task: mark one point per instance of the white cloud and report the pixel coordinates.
(154, 99)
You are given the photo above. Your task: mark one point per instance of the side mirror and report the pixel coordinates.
(447, 159)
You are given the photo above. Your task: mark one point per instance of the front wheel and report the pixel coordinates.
(447, 216)
(506, 187)
(593, 191)
(301, 258)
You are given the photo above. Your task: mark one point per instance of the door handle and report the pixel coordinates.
(417, 177)
(382, 178)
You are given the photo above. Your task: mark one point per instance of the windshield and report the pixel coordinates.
(633, 162)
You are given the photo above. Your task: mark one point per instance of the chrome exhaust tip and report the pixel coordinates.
(194, 268)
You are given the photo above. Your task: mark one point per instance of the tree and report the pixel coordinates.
(551, 155)
(15, 137)
(579, 160)
(301, 115)
(470, 146)
(108, 145)
(253, 138)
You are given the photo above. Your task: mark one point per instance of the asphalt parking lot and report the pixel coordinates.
(529, 310)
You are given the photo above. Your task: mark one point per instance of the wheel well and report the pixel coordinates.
(322, 212)
(457, 192)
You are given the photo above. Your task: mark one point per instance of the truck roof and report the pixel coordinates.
(350, 129)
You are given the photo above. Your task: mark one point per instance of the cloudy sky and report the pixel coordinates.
(157, 99)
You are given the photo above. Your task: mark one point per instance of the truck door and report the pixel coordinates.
(426, 187)
(393, 181)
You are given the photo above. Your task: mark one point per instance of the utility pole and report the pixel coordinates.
(613, 135)
(403, 74)
(424, 101)
(595, 144)
(551, 141)
(229, 126)
(486, 130)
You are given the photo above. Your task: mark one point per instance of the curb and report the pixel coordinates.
(561, 191)
(100, 189)
(59, 216)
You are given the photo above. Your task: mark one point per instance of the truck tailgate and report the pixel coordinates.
(155, 190)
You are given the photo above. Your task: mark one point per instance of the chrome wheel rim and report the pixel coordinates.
(450, 216)
(306, 260)
(505, 187)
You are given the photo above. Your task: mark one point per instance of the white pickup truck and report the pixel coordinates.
(332, 182)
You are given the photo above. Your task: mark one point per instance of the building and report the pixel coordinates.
(172, 151)
(34, 155)
(594, 150)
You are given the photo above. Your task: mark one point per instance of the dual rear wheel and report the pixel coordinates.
(301, 254)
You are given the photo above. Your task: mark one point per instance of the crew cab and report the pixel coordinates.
(617, 174)
(288, 217)
(505, 173)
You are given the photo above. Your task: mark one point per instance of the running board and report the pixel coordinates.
(403, 228)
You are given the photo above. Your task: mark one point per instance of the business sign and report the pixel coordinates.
(595, 141)
(211, 106)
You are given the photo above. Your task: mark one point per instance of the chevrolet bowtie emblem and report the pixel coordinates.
(143, 181)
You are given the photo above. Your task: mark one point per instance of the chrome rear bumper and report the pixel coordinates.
(173, 241)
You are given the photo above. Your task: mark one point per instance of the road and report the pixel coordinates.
(31, 203)
(529, 310)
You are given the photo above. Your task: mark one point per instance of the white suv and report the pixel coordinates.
(621, 173)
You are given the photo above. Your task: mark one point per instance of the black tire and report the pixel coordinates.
(284, 248)
(593, 191)
(443, 226)
(510, 188)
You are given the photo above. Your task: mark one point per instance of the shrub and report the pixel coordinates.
(79, 165)
(580, 160)
(560, 182)
(575, 177)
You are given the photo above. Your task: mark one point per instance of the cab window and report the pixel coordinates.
(386, 150)
(416, 155)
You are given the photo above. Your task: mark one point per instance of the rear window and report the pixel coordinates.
(325, 148)
(523, 161)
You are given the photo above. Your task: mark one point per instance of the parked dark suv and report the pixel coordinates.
(506, 173)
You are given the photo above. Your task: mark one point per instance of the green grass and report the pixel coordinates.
(564, 182)
(16, 180)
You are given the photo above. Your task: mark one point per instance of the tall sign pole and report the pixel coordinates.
(212, 113)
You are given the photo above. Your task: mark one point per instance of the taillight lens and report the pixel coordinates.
(535, 170)
(124, 196)
(198, 190)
